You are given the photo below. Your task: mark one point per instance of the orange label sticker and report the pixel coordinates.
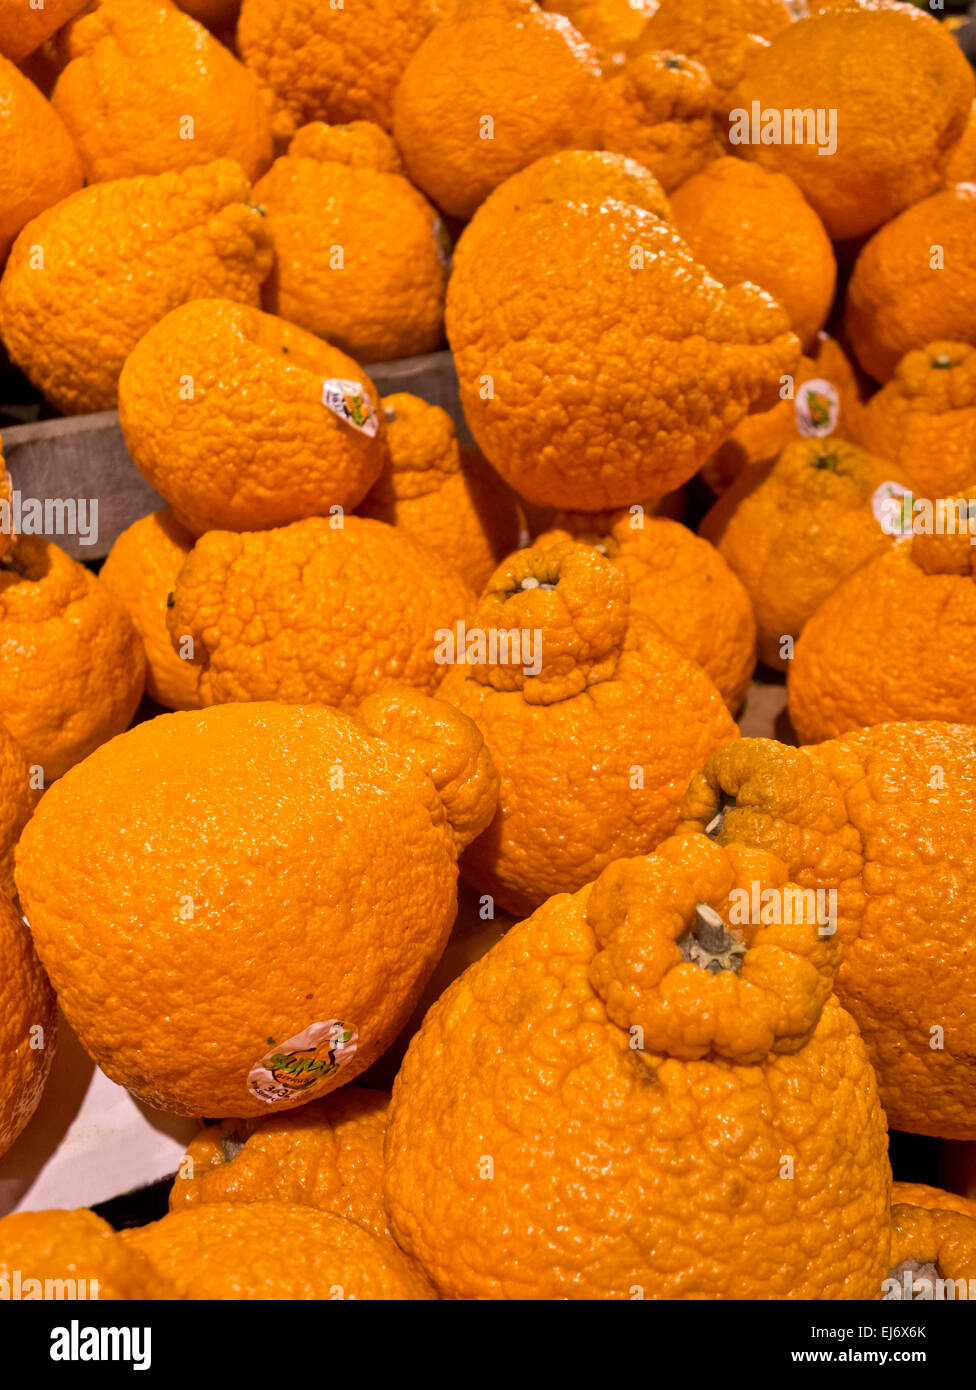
(349, 401)
(298, 1064)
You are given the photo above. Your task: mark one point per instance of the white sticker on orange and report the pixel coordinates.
(349, 401)
(299, 1064)
(816, 408)
(891, 504)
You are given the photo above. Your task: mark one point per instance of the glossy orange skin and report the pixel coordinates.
(444, 495)
(672, 506)
(924, 419)
(568, 175)
(817, 7)
(328, 1155)
(254, 446)
(709, 30)
(388, 595)
(760, 437)
(861, 815)
(594, 752)
(17, 802)
(795, 533)
(546, 362)
(321, 62)
(226, 909)
(478, 927)
(961, 167)
(270, 1250)
(136, 70)
(360, 144)
(945, 1240)
(140, 572)
(77, 1245)
(892, 642)
(27, 1003)
(117, 257)
(611, 26)
(536, 1150)
(684, 585)
(40, 164)
(744, 223)
(919, 1194)
(660, 110)
(854, 61)
(896, 301)
(72, 666)
(729, 66)
(24, 28)
(486, 62)
(385, 299)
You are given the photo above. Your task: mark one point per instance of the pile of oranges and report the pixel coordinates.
(708, 283)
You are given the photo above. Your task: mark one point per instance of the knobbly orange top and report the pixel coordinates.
(894, 640)
(672, 965)
(683, 584)
(631, 1092)
(930, 1245)
(578, 603)
(72, 665)
(923, 421)
(594, 720)
(885, 818)
(327, 1154)
(117, 257)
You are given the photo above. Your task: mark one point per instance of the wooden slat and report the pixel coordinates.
(82, 458)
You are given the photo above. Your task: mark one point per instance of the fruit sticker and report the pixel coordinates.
(891, 504)
(349, 401)
(298, 1064)
(816, 408)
